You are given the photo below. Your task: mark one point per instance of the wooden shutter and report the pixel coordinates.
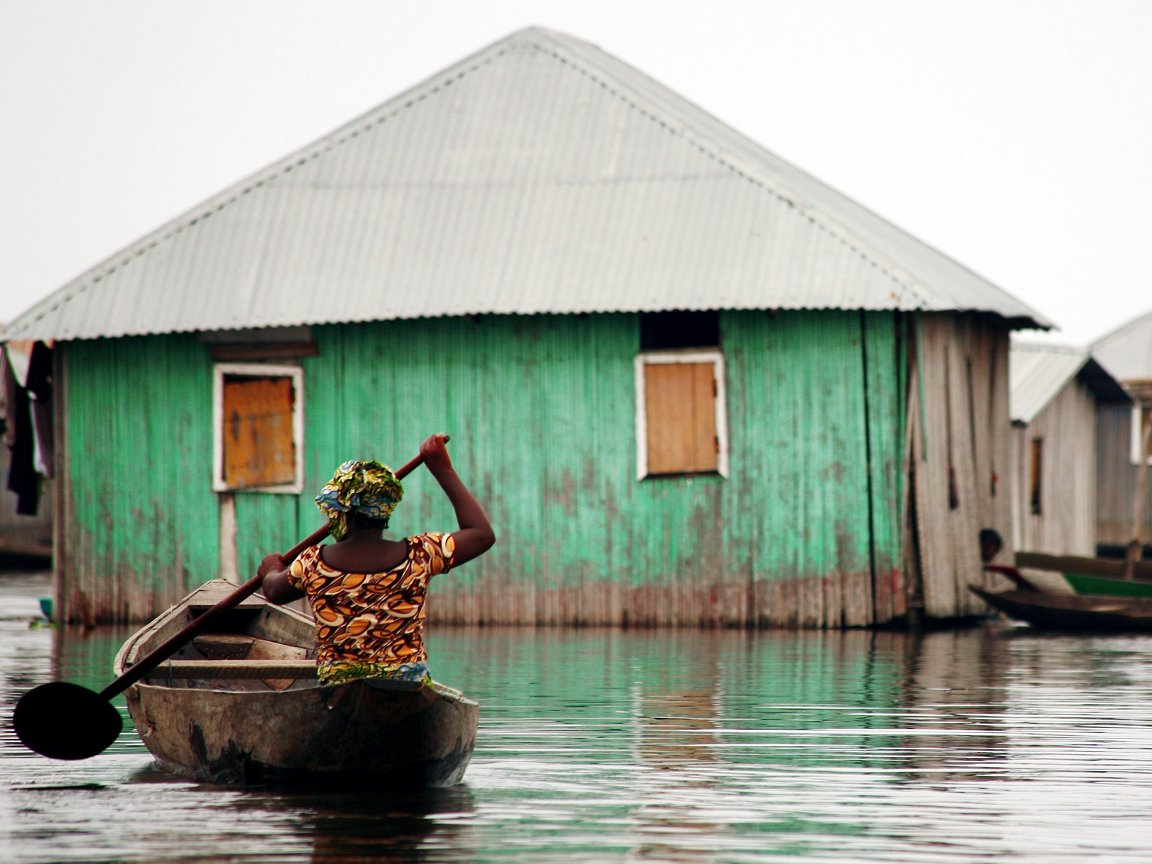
(257, 433)
(680, 415)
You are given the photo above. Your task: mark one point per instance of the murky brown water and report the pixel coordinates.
(607, 746)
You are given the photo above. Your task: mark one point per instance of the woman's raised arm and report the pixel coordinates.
(475, 535)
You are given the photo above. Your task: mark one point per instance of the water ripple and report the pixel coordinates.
(604, 746)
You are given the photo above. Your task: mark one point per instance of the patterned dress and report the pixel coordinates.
(371, 625)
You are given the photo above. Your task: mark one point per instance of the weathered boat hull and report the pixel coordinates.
(1085, 614)
(415, 737)
(242, 705)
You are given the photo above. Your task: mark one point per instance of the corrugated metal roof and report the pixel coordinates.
(538, 175)
(1038, 372)
(1126, 352)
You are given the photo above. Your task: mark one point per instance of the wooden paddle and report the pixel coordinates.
(1012, 573)
(67, 721)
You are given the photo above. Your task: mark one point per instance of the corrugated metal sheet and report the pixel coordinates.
(539, 175)
(1038, 373)
(1126, 352)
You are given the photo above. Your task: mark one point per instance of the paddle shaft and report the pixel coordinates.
(1012, 573)
(194, 628)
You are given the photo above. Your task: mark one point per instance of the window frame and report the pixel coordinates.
(220, 371)
(647, 358)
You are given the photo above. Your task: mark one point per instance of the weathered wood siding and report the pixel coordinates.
(809, 529)
(960, 447)
(1117, 476)
(138, 515)
(1066, 521)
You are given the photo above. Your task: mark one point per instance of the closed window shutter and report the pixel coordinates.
(257, 433)
(680, 408)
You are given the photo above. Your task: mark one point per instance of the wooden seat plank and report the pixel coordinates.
(236, 669)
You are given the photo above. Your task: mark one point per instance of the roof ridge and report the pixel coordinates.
(1122, 329)
(711, 152)
(1048, 348)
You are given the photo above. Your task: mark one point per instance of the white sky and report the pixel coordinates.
(1014, 135)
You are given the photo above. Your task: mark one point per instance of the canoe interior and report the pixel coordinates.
(254, 631)
(1082, 564)
(1088, 583)
(1074, 574)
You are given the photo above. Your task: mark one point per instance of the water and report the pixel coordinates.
(654, 746)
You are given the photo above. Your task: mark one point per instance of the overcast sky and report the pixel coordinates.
(1013, 135)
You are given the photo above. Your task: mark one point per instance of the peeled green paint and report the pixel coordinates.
(813, 440)
(140, 524)
(545, 409)
(541, 410)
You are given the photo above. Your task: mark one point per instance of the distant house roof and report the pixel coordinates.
(540, 175)
(1126, 352)
(1037, 374)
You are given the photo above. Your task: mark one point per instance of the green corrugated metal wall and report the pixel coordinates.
(806, 392)
(542, 414)
(140, 515)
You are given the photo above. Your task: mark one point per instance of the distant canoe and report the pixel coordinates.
(1074, 613)
(1074, 574)
(241, 704)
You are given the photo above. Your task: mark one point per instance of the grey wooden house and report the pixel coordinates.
(1057, 394)
(1126, 353)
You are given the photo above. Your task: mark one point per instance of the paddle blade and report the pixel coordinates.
(66, 721)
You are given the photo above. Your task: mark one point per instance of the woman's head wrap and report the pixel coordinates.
(368, 488)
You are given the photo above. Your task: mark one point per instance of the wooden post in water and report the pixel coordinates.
(1142, 393)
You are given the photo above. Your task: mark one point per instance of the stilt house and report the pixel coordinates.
(1057, 393)
(692, 384)
(1124, 512)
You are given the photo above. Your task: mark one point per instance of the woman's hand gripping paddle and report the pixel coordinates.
(67, 721)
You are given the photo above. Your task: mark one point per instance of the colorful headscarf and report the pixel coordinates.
(359, 487)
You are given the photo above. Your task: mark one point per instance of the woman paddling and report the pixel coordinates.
(367, 593)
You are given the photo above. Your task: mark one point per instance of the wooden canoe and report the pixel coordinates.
(241, 704)
(1075, 574)
(1072, 612)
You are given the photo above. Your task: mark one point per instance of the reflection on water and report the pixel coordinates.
(684, 746)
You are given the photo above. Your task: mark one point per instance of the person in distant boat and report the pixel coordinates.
(367, 593)
(990, 544)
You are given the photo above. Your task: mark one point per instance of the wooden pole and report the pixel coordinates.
(1142, 392)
